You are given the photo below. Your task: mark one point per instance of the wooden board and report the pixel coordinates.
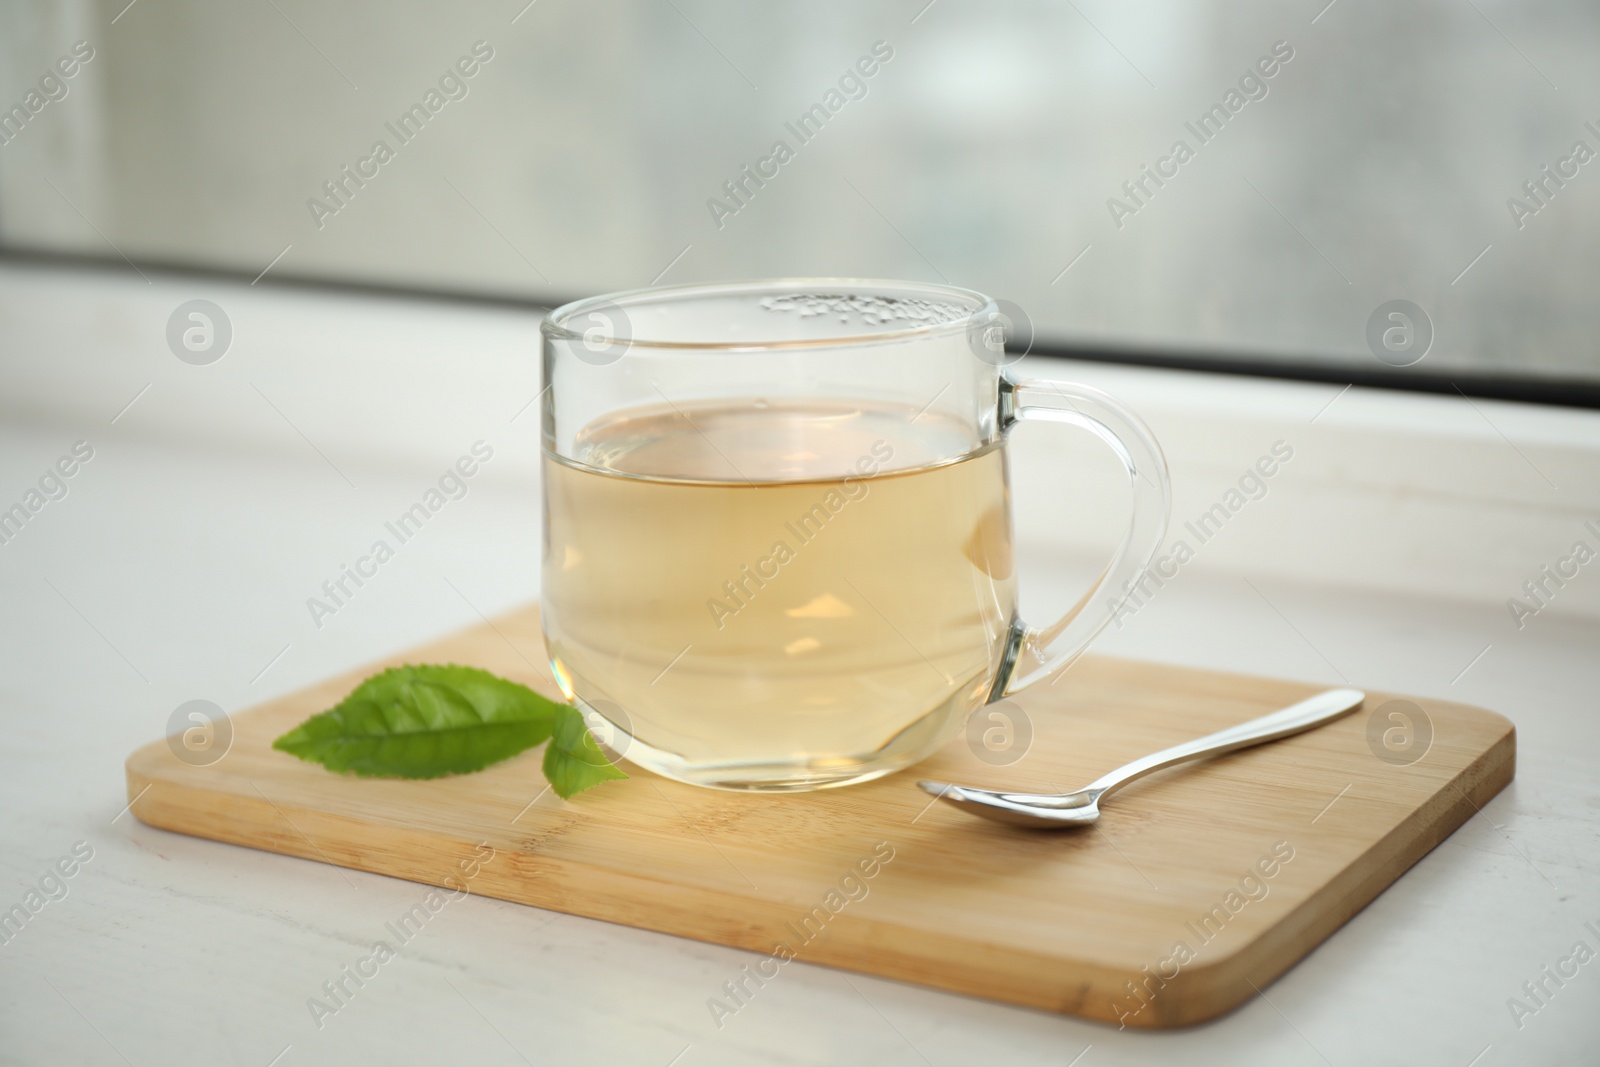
(1131, 920)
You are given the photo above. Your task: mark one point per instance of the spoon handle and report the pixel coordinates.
(1324, 707)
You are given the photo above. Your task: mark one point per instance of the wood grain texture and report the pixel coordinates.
(1085, 922)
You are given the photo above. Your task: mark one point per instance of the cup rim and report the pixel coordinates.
(554, 325)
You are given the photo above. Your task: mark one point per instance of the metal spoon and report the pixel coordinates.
(1060, 810)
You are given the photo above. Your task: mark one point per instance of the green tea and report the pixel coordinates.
(777, 596)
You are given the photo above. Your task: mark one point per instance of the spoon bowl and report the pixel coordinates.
(1022, 809)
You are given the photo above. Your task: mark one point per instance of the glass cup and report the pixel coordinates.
(777, 548)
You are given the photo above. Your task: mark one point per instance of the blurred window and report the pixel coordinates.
(1206, 179)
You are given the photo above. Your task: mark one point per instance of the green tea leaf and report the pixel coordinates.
(573, 762)
(429, 720)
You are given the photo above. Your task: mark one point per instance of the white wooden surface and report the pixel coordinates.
(178, 565)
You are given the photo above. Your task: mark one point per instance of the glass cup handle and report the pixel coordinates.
(1036, 652)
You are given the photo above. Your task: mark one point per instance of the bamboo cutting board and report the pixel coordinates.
(1198, 885)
